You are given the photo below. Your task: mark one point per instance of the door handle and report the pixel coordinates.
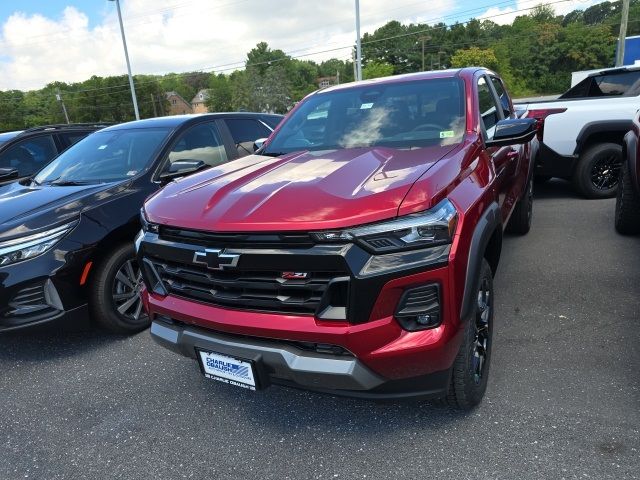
(513, 154)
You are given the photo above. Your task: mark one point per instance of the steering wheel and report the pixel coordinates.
(427, 126)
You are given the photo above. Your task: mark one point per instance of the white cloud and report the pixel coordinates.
(171, 36)
(507, 15)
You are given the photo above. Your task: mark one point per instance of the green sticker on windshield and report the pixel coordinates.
(446, 134)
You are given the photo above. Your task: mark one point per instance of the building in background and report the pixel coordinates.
(177, 104)
(324, 82)
(198, 102)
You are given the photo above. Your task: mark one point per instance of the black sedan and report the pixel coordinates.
(66, 234)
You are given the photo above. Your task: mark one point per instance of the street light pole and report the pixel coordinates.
(126, 56)
(623, 33)
(358, 46)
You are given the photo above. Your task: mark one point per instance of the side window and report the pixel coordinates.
(502, 95)
(72, 138)
(606, 85)
(30, 155)
(245, 131)
(201, 142)
(488, 107)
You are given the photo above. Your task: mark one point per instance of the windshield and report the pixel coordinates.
(402, 115)
(105, 156)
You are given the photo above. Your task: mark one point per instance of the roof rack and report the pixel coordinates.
(59, 126)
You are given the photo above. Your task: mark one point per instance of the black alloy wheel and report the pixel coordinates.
(482, 338)
(605, 172)
(127, 285)
(115, 288)
(597, 173)
(470, 370)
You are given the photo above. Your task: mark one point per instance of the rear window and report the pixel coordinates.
(606, 85)
(403, 115)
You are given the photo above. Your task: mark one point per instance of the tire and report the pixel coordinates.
(598, 170)
(627, 217)
(470, 370)
(520, 221)
(114, 299)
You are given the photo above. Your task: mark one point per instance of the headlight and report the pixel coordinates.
(146, 225)
(426, 229)
(24, 248)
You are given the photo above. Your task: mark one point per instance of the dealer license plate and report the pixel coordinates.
(226, 369)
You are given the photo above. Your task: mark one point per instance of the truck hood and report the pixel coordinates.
(26, 208)
(299, 191)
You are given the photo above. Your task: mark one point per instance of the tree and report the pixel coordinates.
(377, 69)
(475, 56)
(220, 95)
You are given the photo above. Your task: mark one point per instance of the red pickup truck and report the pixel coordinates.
(355, 253)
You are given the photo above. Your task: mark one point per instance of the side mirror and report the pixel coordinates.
(180, 168)
(257, 145)
(513, 131)
(8, 174)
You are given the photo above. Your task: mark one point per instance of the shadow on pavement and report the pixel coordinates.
(305, 410)
(53, 341)
(555, 188)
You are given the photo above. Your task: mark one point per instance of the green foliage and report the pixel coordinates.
(220, 95)
(475, 56)
(376, 70)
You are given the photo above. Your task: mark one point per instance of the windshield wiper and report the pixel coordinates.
(69, 183)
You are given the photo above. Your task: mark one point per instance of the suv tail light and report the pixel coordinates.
(540, 115)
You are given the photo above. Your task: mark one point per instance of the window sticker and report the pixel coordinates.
(131, 173)
(447, 134)
(365, 106)
(102, 147)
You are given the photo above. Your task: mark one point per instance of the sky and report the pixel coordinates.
(42, 41)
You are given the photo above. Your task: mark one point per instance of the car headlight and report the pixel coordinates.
(146, 225)
(24, 248)
(431, 228)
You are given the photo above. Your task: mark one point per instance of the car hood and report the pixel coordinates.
(299, 191)
(25, 208)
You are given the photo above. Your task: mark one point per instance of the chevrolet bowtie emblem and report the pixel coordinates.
(216, 259)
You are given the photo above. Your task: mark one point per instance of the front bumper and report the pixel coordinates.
(195, 307)
(285, 363)
(43, 289)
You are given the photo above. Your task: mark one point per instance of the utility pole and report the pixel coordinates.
(64, 109)
(153, 100)
(423, 39)
(358, 45)
(623, 33)
(355, 68)
(337, 77)
(126, 56)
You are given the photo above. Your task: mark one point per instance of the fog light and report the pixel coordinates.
(419, 308)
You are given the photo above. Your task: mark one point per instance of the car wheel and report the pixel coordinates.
(627, 217)
(115, 300)
(598, 171)
(470, 370)
(520, 221)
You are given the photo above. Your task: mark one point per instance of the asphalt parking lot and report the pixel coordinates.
(563, 398)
